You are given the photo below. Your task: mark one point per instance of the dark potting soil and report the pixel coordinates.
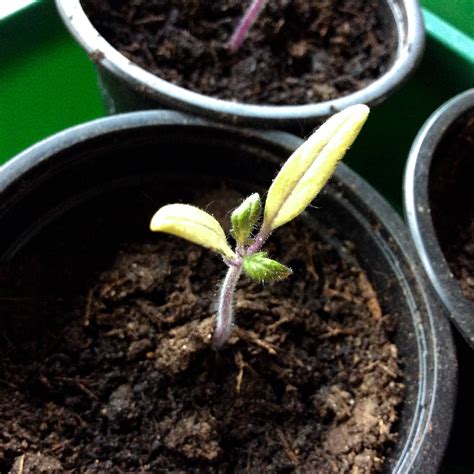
(452, 200)
(297, 52)
(124, 378)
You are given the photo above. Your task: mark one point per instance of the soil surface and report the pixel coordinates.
(297, 52)
(124, 378)
(452, 200)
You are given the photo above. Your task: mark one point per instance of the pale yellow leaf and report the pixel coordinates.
(193, 224)
(311, 165)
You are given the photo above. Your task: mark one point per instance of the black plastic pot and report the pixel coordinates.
(418, 212)
(104, 179)
(125, 86)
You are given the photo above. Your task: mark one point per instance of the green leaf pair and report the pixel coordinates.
(296, 185)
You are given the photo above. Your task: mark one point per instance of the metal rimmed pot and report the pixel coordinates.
(125, 86)
(418, 209)
(113, 163)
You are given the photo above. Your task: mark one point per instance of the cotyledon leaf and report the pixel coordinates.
(311, 165)
(193, 224)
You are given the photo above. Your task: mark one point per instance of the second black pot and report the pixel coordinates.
(419, 207)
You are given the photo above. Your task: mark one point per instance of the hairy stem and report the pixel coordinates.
(259, 240)
(225, 312)
(246, 22)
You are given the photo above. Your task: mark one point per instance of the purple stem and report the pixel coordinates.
(260, 239)
(246, 22)
(225, 313)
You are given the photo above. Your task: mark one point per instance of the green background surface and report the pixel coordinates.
(47, 82)
(459, 13)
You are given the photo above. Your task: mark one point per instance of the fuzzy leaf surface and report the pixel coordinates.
(311, 165)
(245, 217)
(193, 224)
(261, 268)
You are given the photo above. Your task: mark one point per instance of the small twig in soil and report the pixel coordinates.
(333, 332)
(251, 305)
(188, 286)
(277, 324)
(310, 265)
(379, 364)
(256, 296)
(369, 294)
(21, 464)
(87, 313)
(150, 19)
(105, 289)
(286, 446)
(117, 332)
(149, 56)
(80, 385)
(239, 360)
(332, 293)
(251, 337)
(131, 48)
(59, 447)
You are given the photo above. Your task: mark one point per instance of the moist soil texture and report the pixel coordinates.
(124, 378)
(297, 52)
(452, 200)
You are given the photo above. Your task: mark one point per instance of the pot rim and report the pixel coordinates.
(410, 42)
(418, 212)
(428, 430)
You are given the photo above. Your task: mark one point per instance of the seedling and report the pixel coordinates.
(299, 180)
(248, 19)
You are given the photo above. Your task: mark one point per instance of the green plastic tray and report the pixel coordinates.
(47, 83)
(458, 13)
